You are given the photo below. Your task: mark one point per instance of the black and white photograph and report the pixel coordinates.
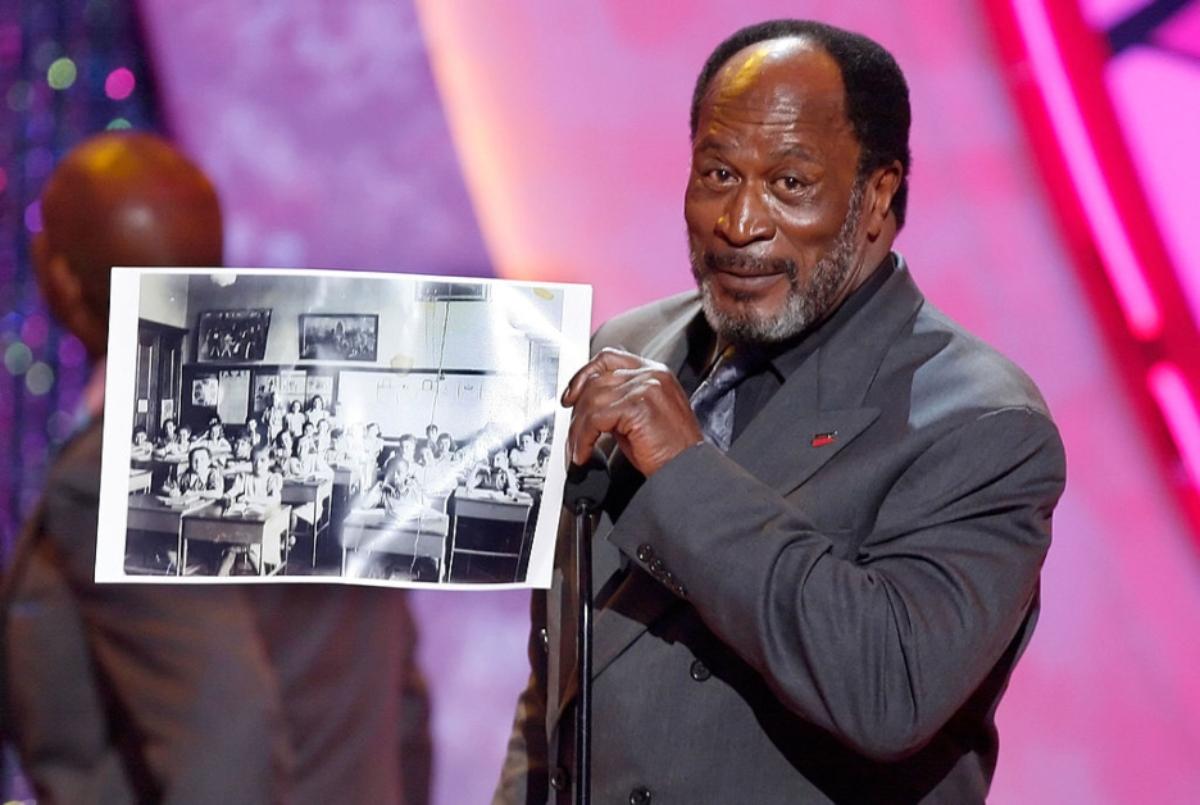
(383, 429)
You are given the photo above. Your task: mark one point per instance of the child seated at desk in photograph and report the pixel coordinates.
(306, 462)
(340, 452)
(324, 439)
(176, 447)
(523, 457)
(201, 478)
(495, 476)
(295, 420)
(142, 448)
(214, 438)
(168, 433)
(316, 409)
(252, 433)
(260, 488)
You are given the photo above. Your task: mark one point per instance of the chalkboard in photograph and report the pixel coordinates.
(459, 404)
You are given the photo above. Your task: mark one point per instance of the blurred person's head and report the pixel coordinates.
(260, 459)
(168, 427)
(140, 437)
(499, 460)
(119, 199)
(242, 447)
(185, 433)
(199, 459)
(408, 447)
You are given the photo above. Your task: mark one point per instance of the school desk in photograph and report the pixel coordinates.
(420, 535)
(159, 515)
(139, 480)
(496, 526)
(246, 525)
(314, 493)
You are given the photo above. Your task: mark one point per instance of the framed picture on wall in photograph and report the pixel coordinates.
(233, 335)
(338, 336)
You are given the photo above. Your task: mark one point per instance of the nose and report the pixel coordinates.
(745, 219)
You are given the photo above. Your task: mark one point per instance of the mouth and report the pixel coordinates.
(737, 282)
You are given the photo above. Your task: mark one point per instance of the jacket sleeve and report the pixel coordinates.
(524, 777)
(880, 649)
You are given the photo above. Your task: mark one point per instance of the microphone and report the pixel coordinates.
(587, 483)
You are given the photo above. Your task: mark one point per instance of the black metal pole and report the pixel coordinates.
(583, 720)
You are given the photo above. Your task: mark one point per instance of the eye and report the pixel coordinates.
(718, 176)
(791, 184)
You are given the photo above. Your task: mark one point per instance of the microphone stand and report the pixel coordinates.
(584, 494)
(584, 509)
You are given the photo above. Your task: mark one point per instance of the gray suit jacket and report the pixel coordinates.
(121, 693)
(830, 611)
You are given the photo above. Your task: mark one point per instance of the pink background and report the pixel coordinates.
(545, 139)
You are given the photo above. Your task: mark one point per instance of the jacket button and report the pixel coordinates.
(645, 553)
(545, 635)
(680, 591)
(657, 567)
(559, 780)
(699, 671)
(640, 796)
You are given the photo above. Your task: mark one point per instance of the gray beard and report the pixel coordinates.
(806, 304)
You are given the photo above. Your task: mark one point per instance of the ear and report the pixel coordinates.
(60, 287)
(881, 188)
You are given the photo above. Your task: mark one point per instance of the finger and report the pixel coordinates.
(591, 417)
(607, 360)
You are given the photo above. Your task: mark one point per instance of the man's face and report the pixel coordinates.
(199, 462)
(262, 463)
(773, 202)
(408, 449)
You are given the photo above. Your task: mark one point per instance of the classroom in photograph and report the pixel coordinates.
(288, 425)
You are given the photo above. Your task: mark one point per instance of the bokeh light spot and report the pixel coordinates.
(119, 84)
(118, 123)
(33, 217)
(34, 331)
(71, 353)
(62, 73)
(39, 379)
(17, 358)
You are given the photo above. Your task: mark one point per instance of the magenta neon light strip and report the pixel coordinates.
(1175, 400)
(1124, 270)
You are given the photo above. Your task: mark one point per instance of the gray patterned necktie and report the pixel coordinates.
(713, 400)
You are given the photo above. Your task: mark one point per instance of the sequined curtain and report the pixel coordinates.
(68, 69)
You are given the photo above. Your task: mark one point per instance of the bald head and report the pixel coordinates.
(119, 199)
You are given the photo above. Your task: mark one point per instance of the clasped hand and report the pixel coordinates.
(638, 401)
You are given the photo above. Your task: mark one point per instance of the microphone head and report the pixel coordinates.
(587, 484)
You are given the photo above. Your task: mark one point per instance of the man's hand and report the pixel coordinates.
(640, 402)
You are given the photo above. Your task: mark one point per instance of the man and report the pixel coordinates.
(131, 693)
(818, 561)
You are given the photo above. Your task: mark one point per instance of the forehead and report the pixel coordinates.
(779, 85)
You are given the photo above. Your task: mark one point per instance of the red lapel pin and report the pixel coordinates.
(822, 439)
